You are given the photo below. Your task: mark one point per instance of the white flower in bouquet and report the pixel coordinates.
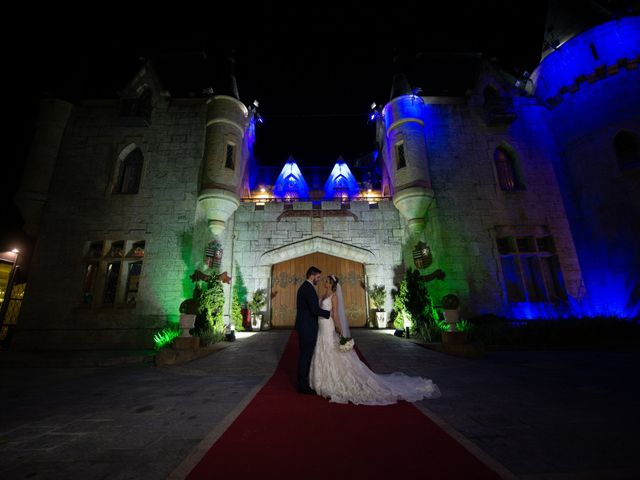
(346, 344)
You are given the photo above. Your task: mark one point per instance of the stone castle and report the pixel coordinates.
(525, 194)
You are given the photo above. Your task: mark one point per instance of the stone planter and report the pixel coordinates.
(187, 321)
(256, 322)
(451, 317)
(381, 319)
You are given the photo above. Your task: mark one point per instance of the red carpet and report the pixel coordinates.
(282, 434)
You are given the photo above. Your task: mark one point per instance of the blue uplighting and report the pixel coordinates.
(603, 45)
(290, 184)
(404, 108)
(341, 183)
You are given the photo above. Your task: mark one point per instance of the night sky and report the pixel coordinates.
(315, 70)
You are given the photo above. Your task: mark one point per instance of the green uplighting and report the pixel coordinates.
(166, 336)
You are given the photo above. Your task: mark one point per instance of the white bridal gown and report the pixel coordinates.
(343, 377)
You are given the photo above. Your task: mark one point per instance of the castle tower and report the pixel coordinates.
(402, 140)
(224, 166)
(34, 190)
(588, 80)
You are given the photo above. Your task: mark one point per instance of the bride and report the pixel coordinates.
(342, 377)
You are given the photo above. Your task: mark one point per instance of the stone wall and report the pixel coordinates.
(83, 208)
(470, 206)
(373, 237)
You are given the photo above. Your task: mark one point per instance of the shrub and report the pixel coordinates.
(377, 295)
(236, 311)
(450, 302)
(258, 301)
(209, 320)
(413, 300)
(165, 336)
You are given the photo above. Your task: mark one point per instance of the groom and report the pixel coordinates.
(307, 312)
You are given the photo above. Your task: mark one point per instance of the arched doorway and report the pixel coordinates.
(287, 276)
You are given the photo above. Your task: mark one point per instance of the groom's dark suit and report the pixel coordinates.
(307, 313)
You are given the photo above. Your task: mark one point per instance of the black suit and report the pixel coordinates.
(307, 312)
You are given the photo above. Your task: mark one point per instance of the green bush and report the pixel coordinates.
(400, 312)
(412, 299)
(209, 321)
(258, 301)
(236, 311)
(377, 295)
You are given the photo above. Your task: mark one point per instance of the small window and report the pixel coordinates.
(400, 156)
(259, 206)
(229, 161)
(506, 245)
(137, 250)
(373, 206)
(506, 168)
(546, 244)
(111, 283)
(90, 274)
(526, 244)
(130, 173)
(135, 269)
(627, 148)
(116, 250)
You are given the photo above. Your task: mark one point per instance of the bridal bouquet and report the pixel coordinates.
(346, 344)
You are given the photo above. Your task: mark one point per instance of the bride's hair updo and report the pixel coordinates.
(334, 282)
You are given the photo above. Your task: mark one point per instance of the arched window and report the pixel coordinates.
(627, 148)
(506, 168)
(130, 173)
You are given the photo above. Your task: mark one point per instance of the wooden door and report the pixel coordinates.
(287, 276)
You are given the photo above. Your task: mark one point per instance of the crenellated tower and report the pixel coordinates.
(588, 81)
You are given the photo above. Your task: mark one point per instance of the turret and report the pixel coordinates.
(405, 153)
(589, 86)
(224, 163)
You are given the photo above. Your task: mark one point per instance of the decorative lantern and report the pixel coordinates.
(213, 254)
(422, 256)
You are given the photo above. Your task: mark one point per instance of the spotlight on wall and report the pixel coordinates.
(376, 112)
(522, 81)
(254, 110)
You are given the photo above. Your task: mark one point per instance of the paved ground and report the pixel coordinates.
(539, 414)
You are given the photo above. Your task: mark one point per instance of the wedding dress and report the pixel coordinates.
(343, 377)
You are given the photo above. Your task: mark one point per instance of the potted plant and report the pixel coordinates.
(256, 305)
(450, 305)
(377, 295)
